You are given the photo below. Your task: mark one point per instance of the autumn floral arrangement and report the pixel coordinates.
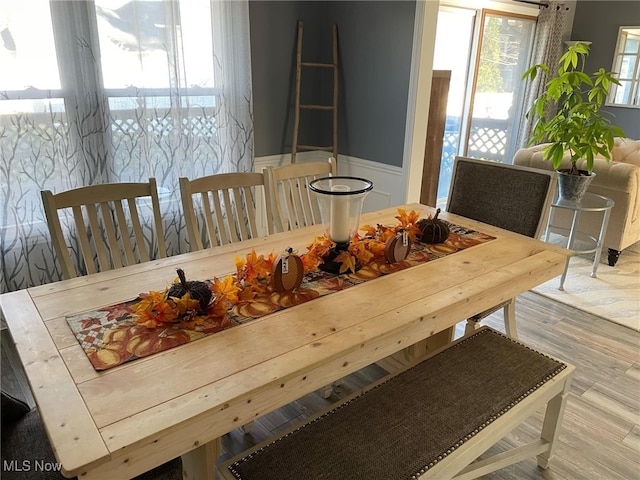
(190, 304)
(365, 248)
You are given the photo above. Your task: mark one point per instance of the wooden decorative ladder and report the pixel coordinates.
(298, 106)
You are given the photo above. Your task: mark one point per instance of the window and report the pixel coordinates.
(28, 59)
(104, 91)
(626, 63)
(504, 48)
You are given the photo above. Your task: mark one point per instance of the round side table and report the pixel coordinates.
(576, 240)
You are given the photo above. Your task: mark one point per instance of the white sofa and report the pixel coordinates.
(618, 180)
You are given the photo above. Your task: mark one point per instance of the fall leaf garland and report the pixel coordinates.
(364, 249)
(157, 308)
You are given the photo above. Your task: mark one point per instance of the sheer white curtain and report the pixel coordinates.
(115, 90)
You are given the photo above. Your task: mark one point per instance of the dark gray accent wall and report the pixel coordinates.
(375, 43)
(273, 30)
(598, 22)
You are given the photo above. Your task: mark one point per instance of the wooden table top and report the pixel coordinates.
(142, 413)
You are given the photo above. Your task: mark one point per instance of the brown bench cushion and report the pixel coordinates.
(408, 423)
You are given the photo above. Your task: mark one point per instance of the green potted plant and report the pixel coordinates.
(569, 118)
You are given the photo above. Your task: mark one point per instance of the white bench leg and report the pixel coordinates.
(551, 426)
(471, 327)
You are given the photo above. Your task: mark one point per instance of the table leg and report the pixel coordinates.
(603, 229)
(417, 351)
(199, 464)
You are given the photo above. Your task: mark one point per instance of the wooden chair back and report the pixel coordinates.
(512, 197)
(290, 203)
(113, 221)
(227, 202)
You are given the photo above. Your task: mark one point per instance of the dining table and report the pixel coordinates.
(122, 421)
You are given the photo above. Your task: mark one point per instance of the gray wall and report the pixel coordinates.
(375, 46)
(375, 40)
(598, 22)
(273, 51)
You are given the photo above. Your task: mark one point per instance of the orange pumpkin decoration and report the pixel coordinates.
(114, 348)
(368, 272)
(255, 308)
(287, 273)
(442, 248)
(433, 230)
(152, 340)
(458, 241)
(387, 268)
(119, 334)
(397, 247)
(289, 299)
(107, 357)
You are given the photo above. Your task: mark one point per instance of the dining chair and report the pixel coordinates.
(511, 197)
(289, 200)
(112, 212)
(25, 442)
(225, 203)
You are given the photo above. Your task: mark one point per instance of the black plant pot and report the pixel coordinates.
(573, 187)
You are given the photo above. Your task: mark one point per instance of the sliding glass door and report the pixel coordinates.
(497, 94)
(487, 52)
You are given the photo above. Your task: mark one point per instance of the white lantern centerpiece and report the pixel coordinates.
(340, 199)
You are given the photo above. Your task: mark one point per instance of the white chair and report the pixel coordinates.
(511, 197)
(290, 204)
(106, 241)
(227, 203)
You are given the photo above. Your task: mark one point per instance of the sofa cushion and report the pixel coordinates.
(626, 150)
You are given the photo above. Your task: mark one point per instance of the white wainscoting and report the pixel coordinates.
(387, 180)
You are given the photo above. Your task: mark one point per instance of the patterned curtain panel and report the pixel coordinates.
(115, 91)
(547, 49)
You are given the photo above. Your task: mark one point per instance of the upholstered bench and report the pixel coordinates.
(431, 420)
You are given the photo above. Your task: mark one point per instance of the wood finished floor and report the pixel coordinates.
(600, 438)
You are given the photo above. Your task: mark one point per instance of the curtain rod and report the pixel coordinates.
(531, 2)
(539, 4)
